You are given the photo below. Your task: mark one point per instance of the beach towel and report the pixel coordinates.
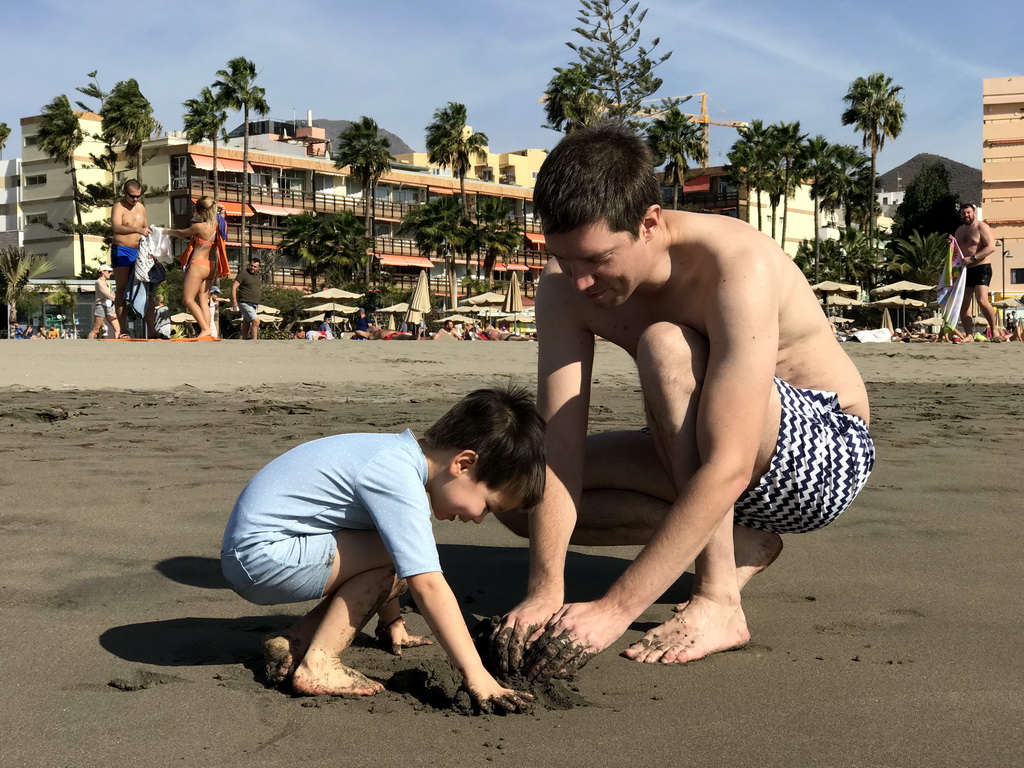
(951, 286)
(158, 245)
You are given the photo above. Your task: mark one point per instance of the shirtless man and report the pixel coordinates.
(727, 336)
(128, 218)
(977, 245)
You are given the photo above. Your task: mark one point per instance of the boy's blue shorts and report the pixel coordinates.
(290, 570)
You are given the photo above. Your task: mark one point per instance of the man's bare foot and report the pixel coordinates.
(702, 628)
(395, 636)
(281, 653)
(755, 550)
(323, 675)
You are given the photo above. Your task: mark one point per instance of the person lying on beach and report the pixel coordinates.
(756, 418)
(347, 520)
(447, 332)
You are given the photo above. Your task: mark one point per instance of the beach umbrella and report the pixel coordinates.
(842, 301)
(262, 317)
(334, 293)
(829, 286)
(261, 309)
(489, 299)
(458, 319)
(314, 319)
(389, 324)
(341, 309)
(892, 302)
(513, 297)
(903, 286)
(400, 308)
(1007, 303)
(887, 320)
(936, 321)
(182, 317)
(419, 302)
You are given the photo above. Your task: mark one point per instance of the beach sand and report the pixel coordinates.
(889, 639)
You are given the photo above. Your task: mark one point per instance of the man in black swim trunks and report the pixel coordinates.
(977, 245)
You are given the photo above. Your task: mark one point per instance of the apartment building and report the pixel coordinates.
(1002, 173)
(288, 173)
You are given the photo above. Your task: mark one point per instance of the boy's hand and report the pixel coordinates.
(395, 636)
(493, 697)
(522, 626)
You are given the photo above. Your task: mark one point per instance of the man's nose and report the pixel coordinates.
(582, 280)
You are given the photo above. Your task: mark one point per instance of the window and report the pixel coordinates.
(31, 141)
(179, 172)
(36, 218)
(35, 181)
(1017, 276)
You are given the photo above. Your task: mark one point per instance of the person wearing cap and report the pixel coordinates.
(103, 308)
(245, 296)
(362, 329)
(215, 300)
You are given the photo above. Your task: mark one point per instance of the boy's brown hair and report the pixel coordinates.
(504, 429)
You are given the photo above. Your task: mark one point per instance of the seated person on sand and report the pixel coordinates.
(447, 332)
(347, 520)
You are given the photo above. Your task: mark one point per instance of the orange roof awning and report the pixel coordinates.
(535, 239)
(394, 260)
(502, 267)
(232, 209)
(441, 190)
(205, 163)
(275, 210)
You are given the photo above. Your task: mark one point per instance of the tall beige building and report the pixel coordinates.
(1002, 173)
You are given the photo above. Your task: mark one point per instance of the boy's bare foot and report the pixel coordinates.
(395, 636)
(754, 550)
(281, 653)
(331, 677)
(700, 629)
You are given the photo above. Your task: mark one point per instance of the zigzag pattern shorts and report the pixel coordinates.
(822, 460)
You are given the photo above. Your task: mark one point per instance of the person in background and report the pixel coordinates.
(103, 308)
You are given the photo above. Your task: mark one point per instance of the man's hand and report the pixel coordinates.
(573, 637)
(522, 626)
(145, 231)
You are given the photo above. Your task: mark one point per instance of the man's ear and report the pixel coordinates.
(462, 462)
(650, 223)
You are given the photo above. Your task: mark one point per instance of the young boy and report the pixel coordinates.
(339, 517)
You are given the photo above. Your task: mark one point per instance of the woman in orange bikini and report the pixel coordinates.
(201, 265)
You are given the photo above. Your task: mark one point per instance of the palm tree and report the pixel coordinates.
(5, 134)
(749, 162)
(875, 109)
(818, 158)
(236, 90)
(17, 267)
(789, 146)
(673, 140)
(437, 227)
(919, 259)
(60, 135)
(325, 243)
(362, 147)
(497, 234)
(570, 101)
(128, 119)
(452, 144)
(205, 119)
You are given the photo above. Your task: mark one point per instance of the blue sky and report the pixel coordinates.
(400, 60)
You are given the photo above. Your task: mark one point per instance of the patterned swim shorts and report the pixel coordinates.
(822, 460)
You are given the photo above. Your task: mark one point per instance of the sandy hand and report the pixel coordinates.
(395, 636)
(556, 655)
(493, 698)
(521, 627)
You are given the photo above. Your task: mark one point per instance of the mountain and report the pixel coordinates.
(335, 127)
(964, 181)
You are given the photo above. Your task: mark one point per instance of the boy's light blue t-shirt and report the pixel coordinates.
(358, 481)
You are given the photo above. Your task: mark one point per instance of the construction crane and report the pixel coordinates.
(703, 119)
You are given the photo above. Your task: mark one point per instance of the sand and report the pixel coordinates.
(892, 638)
